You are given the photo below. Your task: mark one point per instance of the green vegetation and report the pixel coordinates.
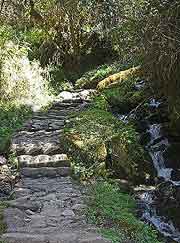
(124, 97)
(11, 118)
(99, 142)
(2, 224)
(92, 78)
(22, 81)
(114, 212)
(47, 46)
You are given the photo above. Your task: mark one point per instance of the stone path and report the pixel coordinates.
(48, 205)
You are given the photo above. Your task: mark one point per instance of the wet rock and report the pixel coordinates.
(165, 190)
(144, 138)
(3, 160)
(172, 156)
(177, 194)
(175, 175)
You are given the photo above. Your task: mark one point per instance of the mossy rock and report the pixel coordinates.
(124, 98)
(90, 79)
(86, 150)
(96, 137)
(129, 158)
(117, 78)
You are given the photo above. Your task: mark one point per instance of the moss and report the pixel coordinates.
(124, 97)
(91, 138)
(117, 78)
(92, 78)
(114, 212)
(100, 102)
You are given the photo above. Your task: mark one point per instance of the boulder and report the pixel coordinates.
(167, 200)
(128, 160)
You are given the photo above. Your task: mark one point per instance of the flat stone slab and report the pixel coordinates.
(64, 237)
(46, 172)
(57, 160)
(52, 211)
(37, 147)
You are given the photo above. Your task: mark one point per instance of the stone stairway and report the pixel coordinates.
(48, 206)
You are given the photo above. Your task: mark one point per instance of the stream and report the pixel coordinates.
(153, 200)
(147, 199)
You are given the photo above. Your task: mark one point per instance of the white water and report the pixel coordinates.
(156, 152)
(154, 104)
(156, 147)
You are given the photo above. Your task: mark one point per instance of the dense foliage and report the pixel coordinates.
(51, 45)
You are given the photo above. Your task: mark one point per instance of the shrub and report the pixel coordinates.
(34, 37)
(21, 80)
(11, 117)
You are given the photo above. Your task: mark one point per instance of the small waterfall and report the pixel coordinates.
(156, 151)
(146, 198)
(156, 148)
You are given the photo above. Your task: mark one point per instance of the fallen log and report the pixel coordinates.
(117, 78)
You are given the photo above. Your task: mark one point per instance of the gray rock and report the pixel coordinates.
(3, 160)
(68, 213)
(24, 203)
(24, 238)
(46, 172)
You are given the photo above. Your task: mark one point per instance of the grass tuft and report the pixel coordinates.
(114, 212)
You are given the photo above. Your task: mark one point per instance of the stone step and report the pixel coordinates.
(46, 172)
(65, 104)
(36, 147)
(60, 237)
(47, 125)
(41, 134)
(58, 112)
(48, 117)
(77, 94)
(71, 100)
(58, 160)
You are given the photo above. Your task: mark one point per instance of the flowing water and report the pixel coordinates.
(150, 214)
(146, 197)
(156, 148)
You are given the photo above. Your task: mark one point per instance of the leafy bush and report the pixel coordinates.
(34, 37)
(58, 80)
(114, 212)
(6, 33)
(11, 118)
(21, 80)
